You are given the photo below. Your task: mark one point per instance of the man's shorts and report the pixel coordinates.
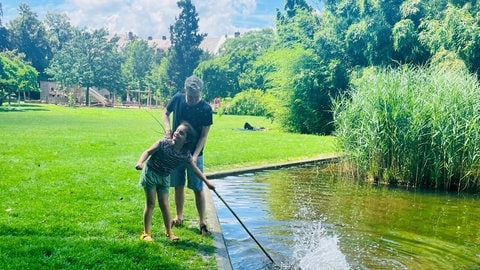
(177, 177)
(152, 180)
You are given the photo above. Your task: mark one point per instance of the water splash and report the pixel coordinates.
(314, 246)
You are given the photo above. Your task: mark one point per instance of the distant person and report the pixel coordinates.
(247, 126)
(164, 156)
(190, 107)
(216, 103)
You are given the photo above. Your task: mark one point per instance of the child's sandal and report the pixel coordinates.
(172, 237)
(177, 222)
(146, 237)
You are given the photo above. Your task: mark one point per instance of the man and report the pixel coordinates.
(190, 107)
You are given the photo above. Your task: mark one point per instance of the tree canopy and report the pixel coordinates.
(185, 52)
(88, 60)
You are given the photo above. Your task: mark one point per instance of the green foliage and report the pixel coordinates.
(158, 81)
(230, 72)
(59, 30)
(301, 86)
(16, 76)
(185, 53)
(419, 126)
(406, 43)
(448, 60)
(28, 35)
(249, 102)
(4, 42)
(88, 60)
(220, 79)
(138, 61)
(296, 26)
(457, 30)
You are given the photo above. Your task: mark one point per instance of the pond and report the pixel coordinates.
(312, 218)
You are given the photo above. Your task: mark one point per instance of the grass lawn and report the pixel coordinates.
(69, 192)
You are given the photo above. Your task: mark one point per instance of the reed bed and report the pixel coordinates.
(415, 126)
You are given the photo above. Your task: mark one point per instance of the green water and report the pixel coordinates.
(378, 227)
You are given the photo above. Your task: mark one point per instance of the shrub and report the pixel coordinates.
(249, 102)
(420, 126)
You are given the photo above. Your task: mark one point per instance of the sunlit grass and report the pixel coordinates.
(69, 191)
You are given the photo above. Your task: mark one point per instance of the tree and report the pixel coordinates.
(229, 72)
(59, 30)
(29, 36)
(158, 80)
(138, 62)
(88, 60)
(458, 31)
(4, 43)
(16, 76)
(406, 43)
(185, 52)
(296, 25)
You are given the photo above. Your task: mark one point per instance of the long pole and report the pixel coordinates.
(243, 225)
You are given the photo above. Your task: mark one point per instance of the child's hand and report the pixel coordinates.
(210, 185)
(139, 167)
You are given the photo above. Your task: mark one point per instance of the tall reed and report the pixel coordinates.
(419, 126)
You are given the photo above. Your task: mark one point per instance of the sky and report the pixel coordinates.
(153, 17)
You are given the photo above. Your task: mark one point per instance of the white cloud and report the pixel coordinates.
(153, 17)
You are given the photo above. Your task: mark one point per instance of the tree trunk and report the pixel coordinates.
(87, 97)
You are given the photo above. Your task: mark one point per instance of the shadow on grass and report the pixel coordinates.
(42, 248)
(83, 253)
(21, 107)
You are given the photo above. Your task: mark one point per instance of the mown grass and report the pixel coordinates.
(69, 192)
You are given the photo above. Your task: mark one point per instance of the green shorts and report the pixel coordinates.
(151, 180)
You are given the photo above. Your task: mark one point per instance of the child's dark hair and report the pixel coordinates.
(191, 136)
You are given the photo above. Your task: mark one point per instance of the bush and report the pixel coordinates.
(420, 126)
(249, 102)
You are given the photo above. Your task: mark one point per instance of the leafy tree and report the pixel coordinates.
(88, 60)
(4, 43)
(220, 79)
(158, 81)
(368, 38)
(406, 43)
(29, 36)
(16, 76)
(59, 30)
(139, 59)
(391, 10)
(185, 52)
(412, 10)
(458, 30)
(228, 73)
(302, 85)
(296, 25)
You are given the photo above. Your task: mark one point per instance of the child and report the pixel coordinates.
(163, 157)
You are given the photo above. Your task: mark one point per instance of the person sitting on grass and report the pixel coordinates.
(163, 157)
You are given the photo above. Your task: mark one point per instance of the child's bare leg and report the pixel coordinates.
(150, 197)
(179, 202)
(167, 218)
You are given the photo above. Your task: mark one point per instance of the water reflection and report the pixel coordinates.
(310, 218)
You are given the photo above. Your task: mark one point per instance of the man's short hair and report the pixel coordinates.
(193, 84)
